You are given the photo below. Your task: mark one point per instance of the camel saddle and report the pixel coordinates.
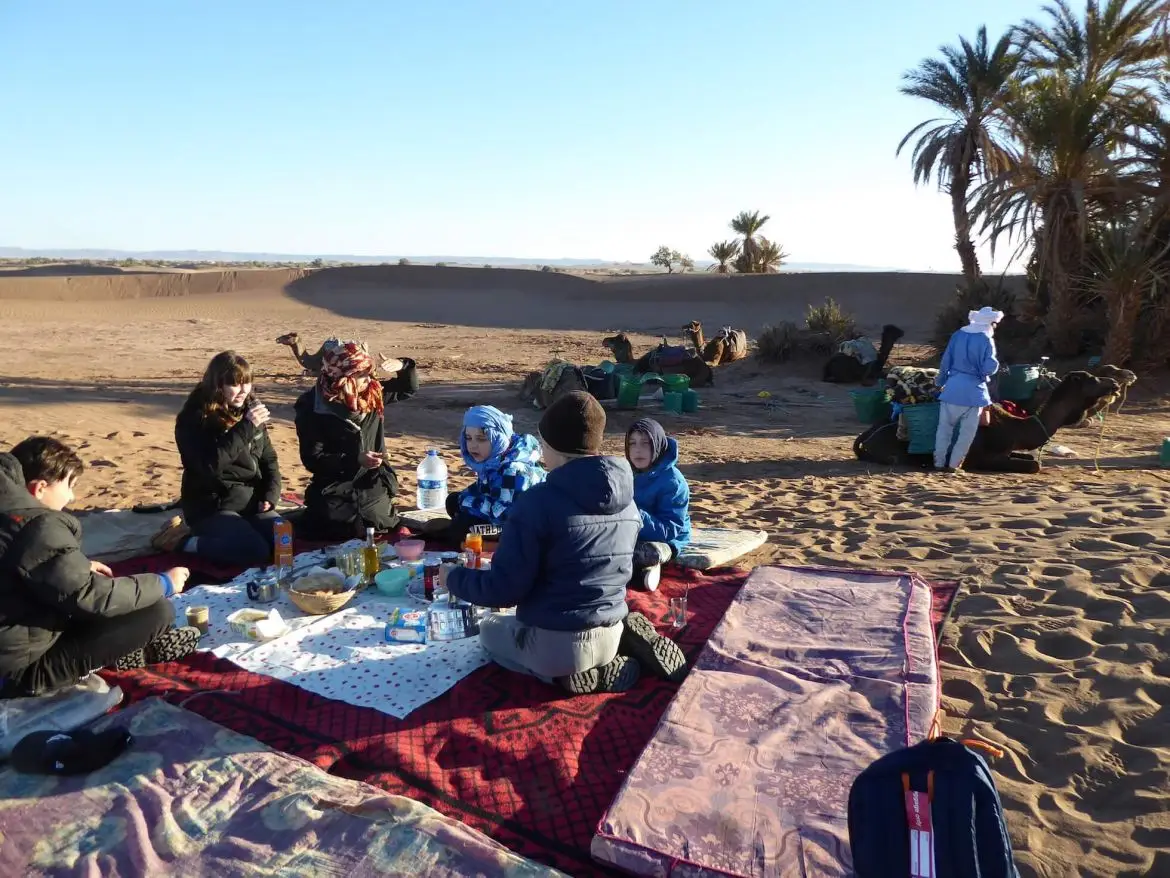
(665, 356)
(735, 341)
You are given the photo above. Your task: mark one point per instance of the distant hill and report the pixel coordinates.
(220, 256)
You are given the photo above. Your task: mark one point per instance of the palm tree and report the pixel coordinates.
(748, 225)
(1082, 91)
(723, 252)
(970, 82)
(771, 256)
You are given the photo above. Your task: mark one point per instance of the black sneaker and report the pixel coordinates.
(657, 655)
(131, 660)
(620, 675)
(648, 578)
(172, 645)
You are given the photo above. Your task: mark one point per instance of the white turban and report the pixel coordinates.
(983, 320)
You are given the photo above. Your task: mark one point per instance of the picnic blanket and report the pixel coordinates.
(810, 677)
(505, 754)
(190, 799)
(343, 655)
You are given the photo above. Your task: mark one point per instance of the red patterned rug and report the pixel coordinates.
(503, 753)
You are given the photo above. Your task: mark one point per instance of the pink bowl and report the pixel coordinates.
(409, 550)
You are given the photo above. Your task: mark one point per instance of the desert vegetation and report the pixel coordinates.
(1054, 146)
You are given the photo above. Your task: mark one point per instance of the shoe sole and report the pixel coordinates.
(172, 645)
(620, 675)
(131, 661)
(658, 655)
(583, 683)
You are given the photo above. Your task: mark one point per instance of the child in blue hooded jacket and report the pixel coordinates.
(505, 464)
(663, 498)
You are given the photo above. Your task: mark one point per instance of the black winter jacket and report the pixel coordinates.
(342, 498)
(230, 470)
(46, 585)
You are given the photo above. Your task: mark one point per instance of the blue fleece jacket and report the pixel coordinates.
(663, 498)
(967, 364)
(566, 551)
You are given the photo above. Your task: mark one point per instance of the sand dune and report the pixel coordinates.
(1059, 650)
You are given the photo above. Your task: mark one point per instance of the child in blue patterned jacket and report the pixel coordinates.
(505, 465)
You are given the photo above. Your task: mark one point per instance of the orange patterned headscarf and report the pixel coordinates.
(342, 368)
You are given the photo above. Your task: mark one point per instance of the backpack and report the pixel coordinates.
(929, 811)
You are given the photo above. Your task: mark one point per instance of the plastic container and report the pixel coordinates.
(1019, 384)
(282, 548)
(1164, 457)
(871, 406)
(672, 402)
(629, 391)
(690, 401)
(392, 581)
(676, 383)
(410, 550)
(607, 366)
(432, 482)
(921, 426)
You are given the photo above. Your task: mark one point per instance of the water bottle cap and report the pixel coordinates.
(434, 452)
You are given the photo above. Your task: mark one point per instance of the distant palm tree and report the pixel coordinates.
(723, 252)
(748, 225)
(971, 83)
(771, 256)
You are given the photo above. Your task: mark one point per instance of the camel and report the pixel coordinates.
(311, 363)
(843, 368)
(1004, 444)
(727, 346)
(662, 360)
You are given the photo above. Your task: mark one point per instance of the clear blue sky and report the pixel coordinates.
(475, 128)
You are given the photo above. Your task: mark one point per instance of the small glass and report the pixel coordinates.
(350, 562)
(677, 613)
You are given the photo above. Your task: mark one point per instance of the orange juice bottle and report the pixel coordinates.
(282, 554)
(474, 547)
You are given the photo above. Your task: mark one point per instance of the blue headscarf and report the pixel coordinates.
(496, 425)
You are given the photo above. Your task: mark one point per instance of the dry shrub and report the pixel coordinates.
(953, 315)
(832, 320)
(786, 341)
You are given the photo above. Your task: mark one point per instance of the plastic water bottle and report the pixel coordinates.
(432, 482)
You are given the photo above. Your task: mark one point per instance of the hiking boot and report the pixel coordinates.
(131, 660)
(620, 675)
(172, 645)
(171, 536)
(648, 578)
(657, 655)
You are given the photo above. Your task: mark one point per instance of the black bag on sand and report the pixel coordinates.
(929, 811)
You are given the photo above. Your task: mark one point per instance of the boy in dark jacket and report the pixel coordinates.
(565, 556)
(663, 498)
(62, 615)
(342, 434)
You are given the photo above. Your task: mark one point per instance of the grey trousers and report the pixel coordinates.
(965, 419)
(648, 554)
(544, 653)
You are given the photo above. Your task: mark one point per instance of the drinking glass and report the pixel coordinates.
(678, 611)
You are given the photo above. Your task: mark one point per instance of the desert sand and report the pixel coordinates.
(1059, 647)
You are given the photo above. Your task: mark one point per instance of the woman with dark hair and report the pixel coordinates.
(341, 430)
(231, 480)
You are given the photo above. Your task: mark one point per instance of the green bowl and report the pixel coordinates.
(392, 581)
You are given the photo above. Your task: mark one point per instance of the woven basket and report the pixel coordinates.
(321, 604)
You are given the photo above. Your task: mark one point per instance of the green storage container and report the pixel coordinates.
(1164, 457)
(629, 391)
(676, 383)
(672, 402)
(921, 425)
(871, 406)
(690, 401)
(1019, 384)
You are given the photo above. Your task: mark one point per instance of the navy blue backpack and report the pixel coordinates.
(929, 811)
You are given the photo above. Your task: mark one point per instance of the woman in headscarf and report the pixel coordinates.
(341, 430)
(967, 366)
(505, 465)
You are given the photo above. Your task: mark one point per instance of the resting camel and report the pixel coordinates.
(663, 360)
(843, 368)
(311, 363)
(1004, 445)
(727, 346)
